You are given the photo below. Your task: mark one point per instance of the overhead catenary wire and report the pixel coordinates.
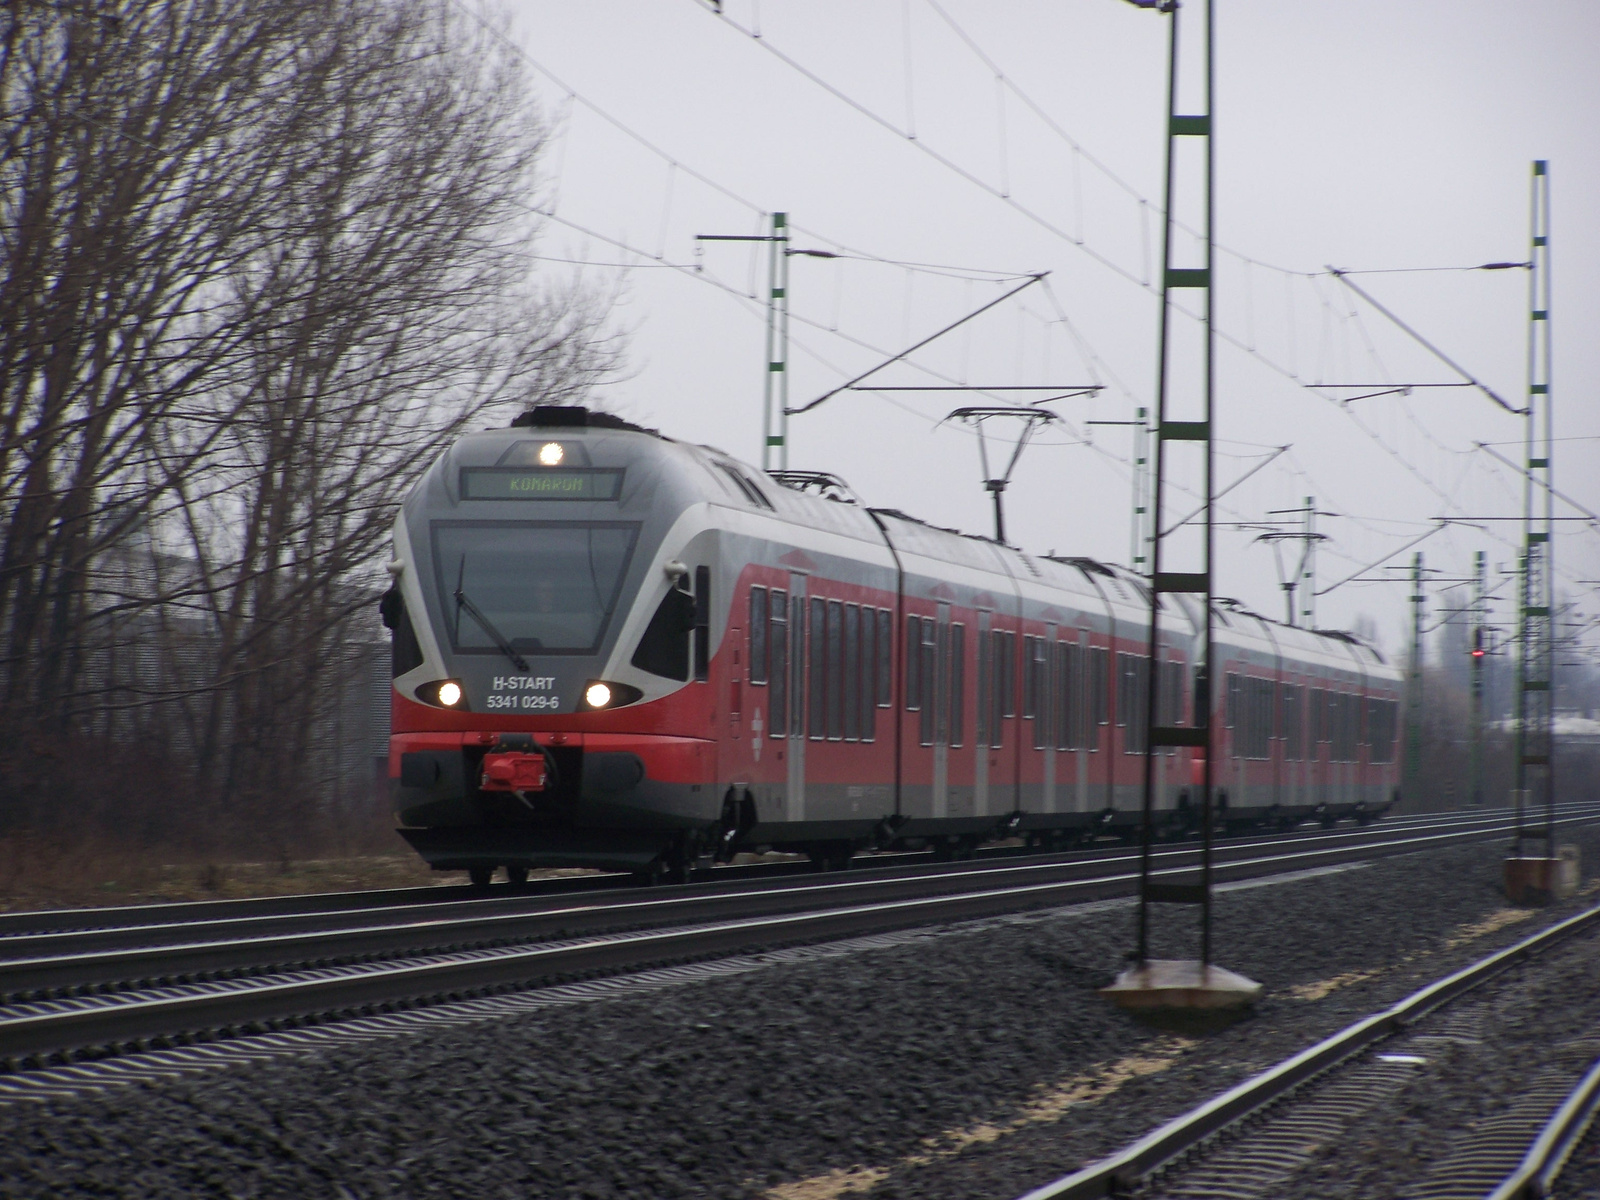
(1444, 494)
(706, 277)
(1488, 391)
(573, 96)
(902, 355)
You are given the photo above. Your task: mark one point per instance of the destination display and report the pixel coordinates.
(521, 483)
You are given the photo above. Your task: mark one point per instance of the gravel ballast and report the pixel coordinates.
(1481, 1076)
(979, 1062)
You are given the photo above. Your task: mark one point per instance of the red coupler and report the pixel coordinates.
(513, 771)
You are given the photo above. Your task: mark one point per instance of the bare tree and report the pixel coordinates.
(261, 262)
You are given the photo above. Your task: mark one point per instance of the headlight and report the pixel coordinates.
(598, 694)
(445, 693)
(551, 454)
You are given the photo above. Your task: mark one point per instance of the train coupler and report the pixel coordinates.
(514, 771)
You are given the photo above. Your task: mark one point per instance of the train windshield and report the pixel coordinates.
(530, 587)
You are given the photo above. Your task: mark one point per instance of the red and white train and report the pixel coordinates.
(614, 649)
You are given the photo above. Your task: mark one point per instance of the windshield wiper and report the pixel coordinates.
(500, 640)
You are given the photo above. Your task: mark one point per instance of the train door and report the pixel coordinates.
(798, 658)
(980, 750)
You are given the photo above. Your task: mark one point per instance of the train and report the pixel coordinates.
(613, 649)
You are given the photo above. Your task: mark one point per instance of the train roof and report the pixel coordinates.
(824, 501)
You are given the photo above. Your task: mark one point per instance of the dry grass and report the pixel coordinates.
(1050, 1104)
(36, 874)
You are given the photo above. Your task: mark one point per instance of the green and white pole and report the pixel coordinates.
(1414, 686)
(775, 422)
(1536, 658)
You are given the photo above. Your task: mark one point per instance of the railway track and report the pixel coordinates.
(1253, 1140)
(100, 992)
(236, 935)
(212, 913)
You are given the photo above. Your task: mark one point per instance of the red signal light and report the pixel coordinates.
(1477, 654)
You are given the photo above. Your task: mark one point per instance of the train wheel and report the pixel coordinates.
(480, 876)
(830, 856)
(654, 874)
(517, 875)
(677, 869)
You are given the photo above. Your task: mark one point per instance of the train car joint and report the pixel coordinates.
(887, 831)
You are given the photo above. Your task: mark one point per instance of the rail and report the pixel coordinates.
(1535, 1176)
(1121, 1172)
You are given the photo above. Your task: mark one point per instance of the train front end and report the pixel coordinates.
(543, 619)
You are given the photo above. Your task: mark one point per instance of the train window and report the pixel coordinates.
(1030, 677)
(1230, 714)
(819, 669)
(933, 680)
(998, 703)
(913, 663)
(533, 587)
(835, 671)
(1068, 695)
(778, 664)
(1006, 675)
(885, 673)
(664, 648)
(1133, 691)
(958, 654)
(1099, 707)
(852, 673)
(1124, 691)
(1201, 703)
(1058, 694)
(996, 687)
(797, 657)
(758, 635)
(1143, 683)
(1261, 707)
(1381, 721)
(1293, 722)
(985, 686)
(1169, 697)
(1347, 728)
(702, 623)
(1037, 690)
(866, 678)
(1124, 688)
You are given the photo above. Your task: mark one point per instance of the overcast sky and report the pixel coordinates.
(1361, 134)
